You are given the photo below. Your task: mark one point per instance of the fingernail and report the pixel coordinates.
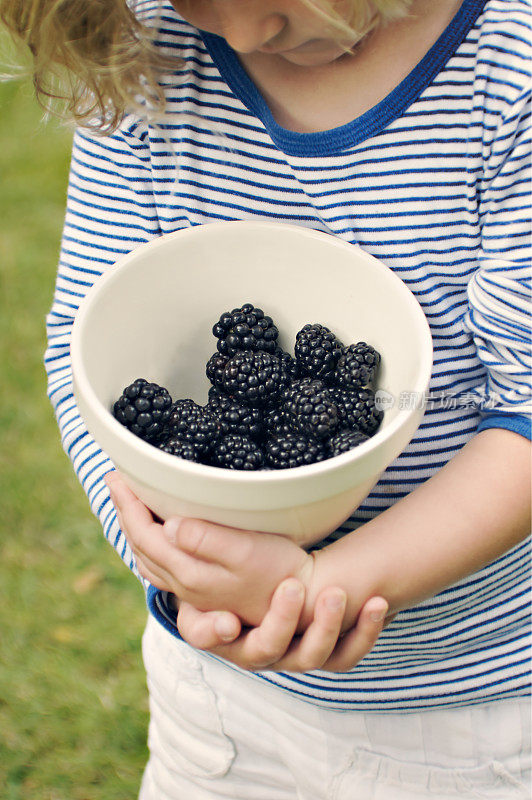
(171, 528)
(335, 601)
(225, 627)
(292, 590)
(378, 612)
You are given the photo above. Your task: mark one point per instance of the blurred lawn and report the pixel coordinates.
(73, 707)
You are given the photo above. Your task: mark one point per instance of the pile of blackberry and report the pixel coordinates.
(266, 409)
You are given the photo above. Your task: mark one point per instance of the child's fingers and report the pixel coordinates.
(189, 578)
(151, 549)
(155, 578)
(156, 546)
(313, 649)
(147, 543)
(267, 643)
(198, 578)
(207, 541)
(358, 642)
(119, 490)
(143, 534)
(136, 519)
(206, 630)
(156, 574)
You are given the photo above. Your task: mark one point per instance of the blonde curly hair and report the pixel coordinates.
(99, 59)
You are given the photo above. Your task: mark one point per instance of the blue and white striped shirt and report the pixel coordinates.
(433, 182)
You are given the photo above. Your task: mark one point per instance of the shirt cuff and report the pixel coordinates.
(512, 422)
(158, 605)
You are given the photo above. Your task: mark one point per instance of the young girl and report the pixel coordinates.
(398, 125)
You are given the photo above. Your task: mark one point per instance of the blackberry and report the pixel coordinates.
(234, 417)
(317, 351)
(310, 408)
(293, 450)
(256, 379)
(276, 422)
(289, 363)
(215, 369)
(195, 424)
(144, 408)
(237, 452)
(346, 440)
(357, 366)
(215, 392)
(177, 447)
(356, 409)
(245, 328)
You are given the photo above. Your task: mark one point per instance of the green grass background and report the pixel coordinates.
(73, 704)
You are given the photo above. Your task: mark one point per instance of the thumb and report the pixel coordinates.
(206, 630)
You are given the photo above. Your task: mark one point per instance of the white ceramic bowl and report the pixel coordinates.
(151, 316)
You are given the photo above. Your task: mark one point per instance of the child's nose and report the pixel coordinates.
(247, 27)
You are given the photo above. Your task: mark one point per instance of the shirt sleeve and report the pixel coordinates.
(499, 292)
(110, 211)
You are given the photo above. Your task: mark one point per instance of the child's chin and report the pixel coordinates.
(317, 58)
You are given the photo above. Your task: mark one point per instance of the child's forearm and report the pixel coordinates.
(472, 511)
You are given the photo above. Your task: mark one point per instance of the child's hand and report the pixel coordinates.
(273, 645)
(209, 566)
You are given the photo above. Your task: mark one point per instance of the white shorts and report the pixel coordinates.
(215, 733)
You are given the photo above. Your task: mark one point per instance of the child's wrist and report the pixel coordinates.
(332, 567)
(306, 574)
(315, 577)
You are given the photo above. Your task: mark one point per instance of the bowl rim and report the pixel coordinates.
(83, 387)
